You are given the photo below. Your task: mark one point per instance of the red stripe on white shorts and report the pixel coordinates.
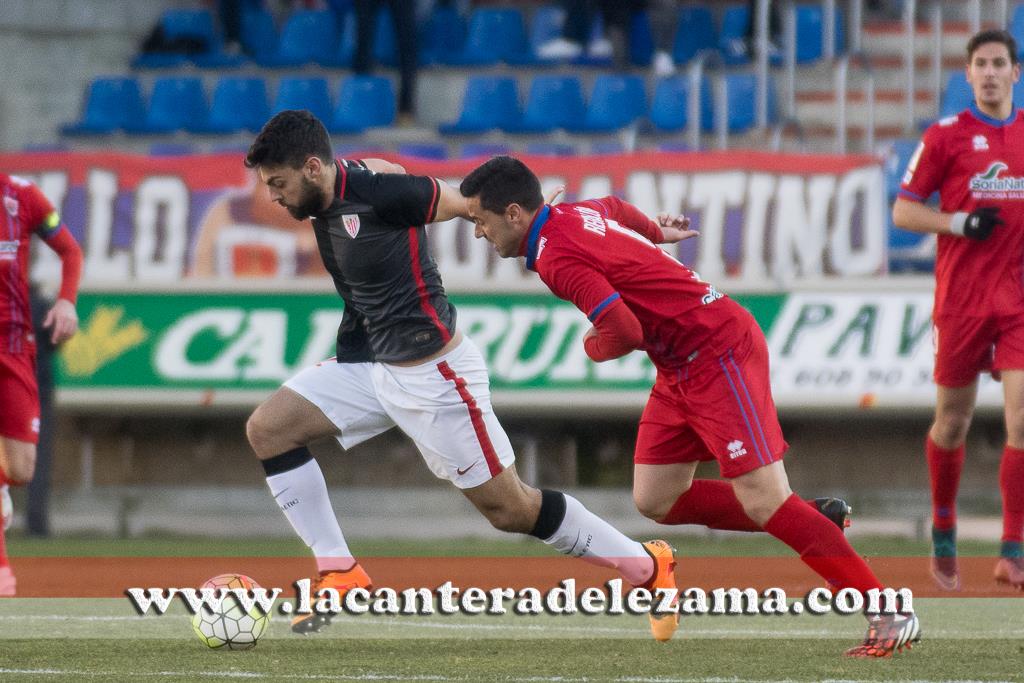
(475, 416)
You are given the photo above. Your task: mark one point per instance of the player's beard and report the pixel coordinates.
(310, 202)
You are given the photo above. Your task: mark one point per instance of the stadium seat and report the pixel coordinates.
(308, 36)
(304, 93)
(694, 32)
(553, 102)
(238, 104)
(490, 102)
(365, 102)
(443, 33)
(607, 147)
(385, 41)
(616, 101)
(546, 23)
(110, 104)
(179, 26)
(670, 107)
(732, 41)
(174, 104)
(551, 149)
(810, 34)
(957, 94)
(259, 35)
(423, 150)
(641, 39)
(674, 146)
(741, 101)
(472, 150)
(494, 35)
(1016, 28)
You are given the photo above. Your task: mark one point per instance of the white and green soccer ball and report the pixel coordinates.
(231, 625)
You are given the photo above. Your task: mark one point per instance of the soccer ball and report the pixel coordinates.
(230, 625)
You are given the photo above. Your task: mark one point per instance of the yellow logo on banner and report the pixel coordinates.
(100, 340)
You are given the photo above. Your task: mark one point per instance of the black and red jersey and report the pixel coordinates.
(374, 245)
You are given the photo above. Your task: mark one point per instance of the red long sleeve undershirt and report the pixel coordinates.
(618, 333)
(71, 262)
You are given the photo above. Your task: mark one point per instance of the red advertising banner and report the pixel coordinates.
(766, 220)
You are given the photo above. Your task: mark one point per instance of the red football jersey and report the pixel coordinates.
(26, 210)
(595, 252)
(973, 160)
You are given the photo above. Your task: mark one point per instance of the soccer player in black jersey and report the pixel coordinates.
(401, 361)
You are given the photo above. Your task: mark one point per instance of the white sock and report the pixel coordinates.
(584, 535)
(301, 493)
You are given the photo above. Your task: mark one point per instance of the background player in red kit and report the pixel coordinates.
(975, 160)
(26, 211)
(712, 398)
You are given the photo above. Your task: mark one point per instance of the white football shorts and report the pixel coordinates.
(444, 406)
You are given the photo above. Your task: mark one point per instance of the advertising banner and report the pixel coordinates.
(767, 221)
(829, 350)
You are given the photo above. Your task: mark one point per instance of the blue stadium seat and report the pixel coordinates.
(442, 34)
(674, 146)
(238, 104)
(110, 104)
(551, 149)
(810, 34)
(957, 94)
(484, 149)
(732, 40)
(670, 104)
(304, 93)
(365, 102)
(641, 39)
(546, 23)
(308, 36)
(607, 147)
(385, 41)
(259, 35)
(742, 101)
(174, 104)
(494, 35)
(554, 102)
(616, 101)
(1016, 29)
(423, 150)
(490, 102)
(694, 32)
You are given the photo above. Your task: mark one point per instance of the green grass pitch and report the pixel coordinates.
(965, 639)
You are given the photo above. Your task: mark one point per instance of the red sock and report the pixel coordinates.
(944, 465)
(3, 542)
(1011, 483)
(821, 545)
(713, 503)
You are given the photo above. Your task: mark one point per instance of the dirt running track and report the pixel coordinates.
(80, 577)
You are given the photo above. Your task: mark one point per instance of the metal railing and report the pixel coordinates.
(704, 60)
(841, 81)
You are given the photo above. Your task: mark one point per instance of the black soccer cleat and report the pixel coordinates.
(836, 509)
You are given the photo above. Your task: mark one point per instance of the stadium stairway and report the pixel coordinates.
(884, 44)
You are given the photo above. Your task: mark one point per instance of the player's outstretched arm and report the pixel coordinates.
(916, 217)
(674, 228)
(62, 319)
(382, 166)
(450, 204)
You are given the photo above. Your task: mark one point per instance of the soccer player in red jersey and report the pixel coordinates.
(711, 400)
(975, 160)
(26, 211)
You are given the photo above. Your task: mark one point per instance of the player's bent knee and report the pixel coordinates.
(510, 518)
(650, 507)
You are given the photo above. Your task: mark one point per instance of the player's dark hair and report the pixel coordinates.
(503, 181)
(992, 35)
(289, 139)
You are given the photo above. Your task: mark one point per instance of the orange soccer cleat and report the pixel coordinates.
(342, 582)
(1010, 571)
(664, 577)
(888, 634)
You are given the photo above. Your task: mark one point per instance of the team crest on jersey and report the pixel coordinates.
(11, 204)
(736, 449)
(980, 143)
(351, 223)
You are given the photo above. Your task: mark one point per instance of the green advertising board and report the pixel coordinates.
(161, 350)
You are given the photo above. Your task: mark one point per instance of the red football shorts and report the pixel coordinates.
(19, 397)
(717, 407)
(966, 346)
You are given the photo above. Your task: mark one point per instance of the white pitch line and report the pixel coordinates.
(372, 676)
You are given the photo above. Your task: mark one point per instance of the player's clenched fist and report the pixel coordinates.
(976, 225)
